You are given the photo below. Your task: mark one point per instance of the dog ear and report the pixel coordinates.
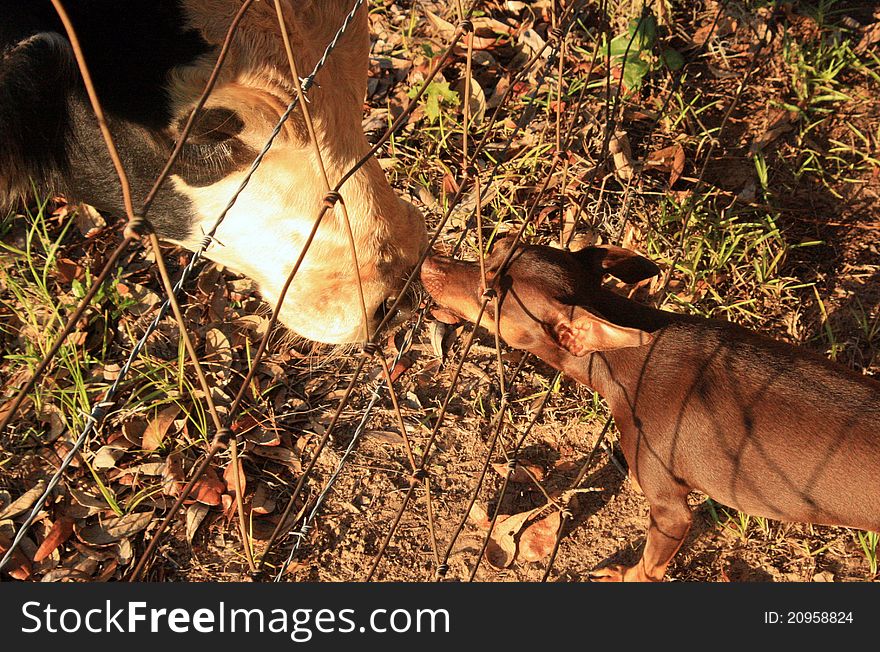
(584, 333)
(35, 76)
(621, 263)
(497, 255)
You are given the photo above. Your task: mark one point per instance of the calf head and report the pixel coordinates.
(550, 300)
(150, 60)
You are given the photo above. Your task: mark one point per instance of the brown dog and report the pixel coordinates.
(759, 425)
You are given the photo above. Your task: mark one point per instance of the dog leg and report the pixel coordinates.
(670, 520)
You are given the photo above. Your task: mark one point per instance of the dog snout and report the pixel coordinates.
(433, 275)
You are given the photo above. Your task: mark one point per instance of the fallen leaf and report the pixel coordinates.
(478, 516)
(87, 499)
(779, 122)
(208, 489)
(18, 566)
(172, 475)
(229, 478)
(60, 532)
(538, 539)
(88, 220)
(520, 472)
(144, 299)
(195, 514)
(107, 456)
(437, 330)
(24, 502)
(501, 550)
(279, 454)
(621, 154)
(112, 530)
(218, 355)
(669, 159)
(400, 367)
(261, 503)
(157, 428)
(67, 270)
(388, 436)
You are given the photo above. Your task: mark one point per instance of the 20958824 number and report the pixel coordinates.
(823, 617)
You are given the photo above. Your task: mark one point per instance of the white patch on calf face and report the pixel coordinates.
(263, 234)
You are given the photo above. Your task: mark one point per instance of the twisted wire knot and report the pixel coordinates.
(419, 474)
(331, 198)
(137, 227)
(490, 293)
(556, 34)
(223, 435)
(306, 83)
(98, 413)
(466, 26)
(442, 569)
(369, 349)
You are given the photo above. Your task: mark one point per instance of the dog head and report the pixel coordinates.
(547, 298)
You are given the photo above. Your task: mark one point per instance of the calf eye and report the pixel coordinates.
(212, 150)
(214, 125)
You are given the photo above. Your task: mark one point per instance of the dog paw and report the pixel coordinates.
(609, 574)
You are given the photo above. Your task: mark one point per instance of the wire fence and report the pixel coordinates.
(474, 180)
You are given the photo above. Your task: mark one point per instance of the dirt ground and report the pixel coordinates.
(791, 251)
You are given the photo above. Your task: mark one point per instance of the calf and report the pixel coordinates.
(757, 424)
(150, 60)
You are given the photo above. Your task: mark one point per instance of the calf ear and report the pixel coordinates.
(35, 78)
(585, 333)
(621, 263)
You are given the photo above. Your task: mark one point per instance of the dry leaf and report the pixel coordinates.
(113, 529)
(621, 154)
(157, 428)
(501, 550)
(67, 270)
(195, 514)
(261, 503)
(208, 489)
(520, 472)
(60, 532)
(107, 456)
(172, 475)
(539, 539)
(218, 354)
(279, 454)
(18, 566)
(669, 159)
(229, 478)
(87, 499)
(779, 122)
(388, 436)
(437, 331)
(24, 502)
(88, 220)
(479, 517)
